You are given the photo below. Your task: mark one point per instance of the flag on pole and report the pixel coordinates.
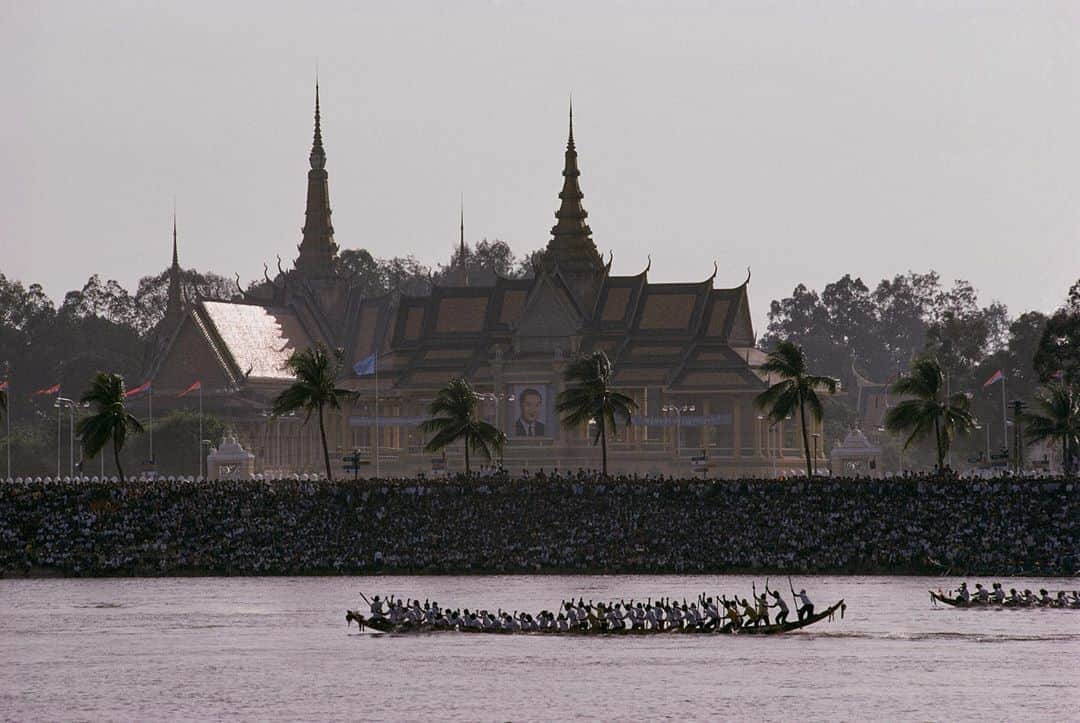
(366, 366)
(997, 377)
(54, 389)
(137, 390)
(4, 386)
(193, 388)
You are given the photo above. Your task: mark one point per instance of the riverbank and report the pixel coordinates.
(924, 526)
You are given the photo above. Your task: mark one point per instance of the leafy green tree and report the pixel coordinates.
(454, 417)
(110, 421)
(316, 371)
(1059, 347)
(796, 390)
(1056, 418)
(589, 397)
(177, 445)
(927, 409)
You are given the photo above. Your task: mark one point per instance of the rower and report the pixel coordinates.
(962, 593)
(377, 608)
(763, 609)
(1044, 597)
(998, 596)
(981, 594)
(781, 615)
(750, 613)
(806, 607)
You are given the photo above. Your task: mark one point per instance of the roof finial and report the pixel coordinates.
(462, 247)
(318, 155)
(175, 255)
(570, 141)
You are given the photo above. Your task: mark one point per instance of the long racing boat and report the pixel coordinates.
(383, 625)
(937, 596)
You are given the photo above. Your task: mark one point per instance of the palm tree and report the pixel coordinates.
(797, 389)
(590, 398)
(1057, 419)
(316, 370)
(928, 408)
(110, 420)
(454, 417)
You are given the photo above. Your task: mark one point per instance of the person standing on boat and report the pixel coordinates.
(806, 607)
(780, 605)
(763, 609)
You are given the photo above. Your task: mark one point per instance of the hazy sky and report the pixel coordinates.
(803, 139)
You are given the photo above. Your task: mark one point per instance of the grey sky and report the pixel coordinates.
(803, 139)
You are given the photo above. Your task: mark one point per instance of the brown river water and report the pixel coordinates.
(278, 648)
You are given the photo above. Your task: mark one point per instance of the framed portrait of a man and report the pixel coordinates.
(530, 411)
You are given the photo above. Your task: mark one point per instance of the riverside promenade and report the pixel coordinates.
(924, 525)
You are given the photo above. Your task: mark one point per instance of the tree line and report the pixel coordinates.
(923, 338)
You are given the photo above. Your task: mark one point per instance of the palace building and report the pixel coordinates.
(684, 351)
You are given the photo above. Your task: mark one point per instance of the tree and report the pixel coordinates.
(796, 390)
(454, 418)
(316, 371)
(1057, 419)
(1059, 347)
(3, 403)
(110, 420)
(589, 397)
(928, 409)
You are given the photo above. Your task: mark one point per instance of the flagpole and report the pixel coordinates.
(1004, 421)
(376, 414)
(58, 443)
(7, 421)
(200, 428)
(151, 390)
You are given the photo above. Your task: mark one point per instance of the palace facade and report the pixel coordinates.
(684, 351)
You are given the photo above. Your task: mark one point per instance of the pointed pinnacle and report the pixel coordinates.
(570, 140)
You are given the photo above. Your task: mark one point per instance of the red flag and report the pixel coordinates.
(997, 377)
(54, 389)
(4, 385)
(137, 390)
(193, 388)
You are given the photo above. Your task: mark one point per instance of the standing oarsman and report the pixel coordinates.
(781, 616)
(806, 607)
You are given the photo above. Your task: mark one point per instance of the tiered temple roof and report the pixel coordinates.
(682, 336)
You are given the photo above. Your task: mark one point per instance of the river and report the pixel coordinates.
(278, 648)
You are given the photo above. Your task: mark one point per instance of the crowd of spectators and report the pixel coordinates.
(543, 523)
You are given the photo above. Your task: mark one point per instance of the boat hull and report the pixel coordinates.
(1007, 605)
(383, 625)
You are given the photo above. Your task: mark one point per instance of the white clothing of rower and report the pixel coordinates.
(377, 612)
(805, 606)
(998, 595)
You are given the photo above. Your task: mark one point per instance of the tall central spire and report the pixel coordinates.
(571, 244)
(174, 301)
(317, 249)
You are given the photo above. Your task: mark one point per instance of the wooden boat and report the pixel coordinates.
(383, 625)
(939, 597)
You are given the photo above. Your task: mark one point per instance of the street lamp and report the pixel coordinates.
(678, 412)
(816, 436)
